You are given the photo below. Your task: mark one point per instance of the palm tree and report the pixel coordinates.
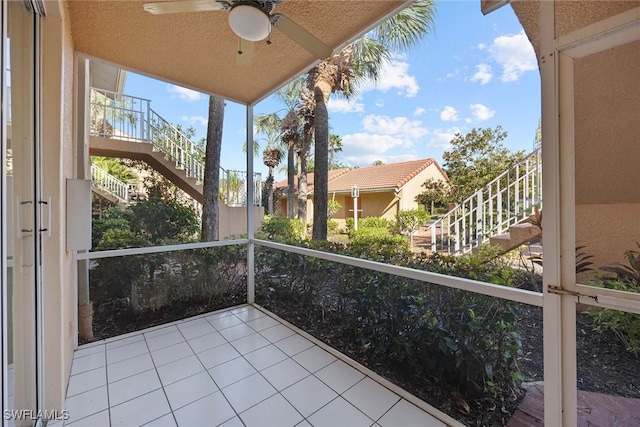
(335, 145)
(290, 135)
(269, 125)
(344, 71)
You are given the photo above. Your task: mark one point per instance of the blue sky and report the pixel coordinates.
(473, 71)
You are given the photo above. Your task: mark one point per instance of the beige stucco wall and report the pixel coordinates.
(233, 221)
(57, 160)
(607, 231)
(414, 187)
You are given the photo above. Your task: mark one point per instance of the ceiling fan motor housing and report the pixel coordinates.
(250, 22)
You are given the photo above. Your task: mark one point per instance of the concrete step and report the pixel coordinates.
(524, 232)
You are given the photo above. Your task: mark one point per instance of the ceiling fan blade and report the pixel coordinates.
(245, 52)
(162, 8)
(301, 36)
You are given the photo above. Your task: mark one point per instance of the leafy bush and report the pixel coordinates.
(410, 221)
(283, 229)
(629, 274)
(625, 326)
(376, 243)
(332, 226)
(371, 222)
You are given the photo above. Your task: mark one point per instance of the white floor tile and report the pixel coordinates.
(249, 315)
(87, 363)
(166, 421)
(309, 395)
(231, 372)
(265, 357)
(218, 355)
(313, 359)
(219, 315)
(294, 344)
(262, 323)
(188, 323)
(125, 352)
(248, 392)
(236, 332)
(124, 341)
(189, 390)
(285, 373)
(171, 353)
(101, 419)
(277, 333)
(406, 414)
(160, 331)
(197, 330)
(339, 413)
(183, 368)
(225, 322)
(273, 412)
(132, 387)
(208, 411)
(241, 309)
(140, 410)
(250, 343)
(233, 422)
(165, 340)
(87, 381)
(304, 423)
(87, 403)
(371, 398)
(206, 342)
(85, 351)
(339, 376)
(126, 368)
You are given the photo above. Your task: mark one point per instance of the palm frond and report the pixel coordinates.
(408, 27)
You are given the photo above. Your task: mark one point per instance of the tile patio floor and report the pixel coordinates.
(239, 367)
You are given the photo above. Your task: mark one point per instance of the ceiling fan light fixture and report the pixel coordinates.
(249, 22)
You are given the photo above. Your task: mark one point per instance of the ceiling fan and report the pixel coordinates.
(251, 20)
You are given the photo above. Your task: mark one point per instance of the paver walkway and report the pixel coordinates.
(594, 409)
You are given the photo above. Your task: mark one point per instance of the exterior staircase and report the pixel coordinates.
(109, 187)
(125, 126)
(498, 214)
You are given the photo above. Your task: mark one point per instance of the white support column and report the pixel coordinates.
(251, 294)
(560, 401)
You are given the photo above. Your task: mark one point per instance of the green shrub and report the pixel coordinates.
(376, 243)
(283, 229)
(410, 221)
(625, 326)
(371, 222)
(332, 226)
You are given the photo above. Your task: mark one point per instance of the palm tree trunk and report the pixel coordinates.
(210, 188)
(291, 192)
(303, 161)
(321, 168)
(270, 192)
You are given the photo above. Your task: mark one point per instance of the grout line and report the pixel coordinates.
(434, 412)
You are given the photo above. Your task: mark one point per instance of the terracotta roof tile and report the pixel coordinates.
(390, 176)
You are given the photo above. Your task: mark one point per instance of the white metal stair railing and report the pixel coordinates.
(109, 184)
(115, 115)
(505, 201)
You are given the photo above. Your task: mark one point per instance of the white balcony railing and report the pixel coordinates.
(109, 184)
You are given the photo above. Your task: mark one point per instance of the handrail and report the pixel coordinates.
(506, 200)
(109, 184)
(132, 118)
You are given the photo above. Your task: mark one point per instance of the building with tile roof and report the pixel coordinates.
(384, 189)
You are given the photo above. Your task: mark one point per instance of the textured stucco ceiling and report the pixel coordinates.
(198, 50)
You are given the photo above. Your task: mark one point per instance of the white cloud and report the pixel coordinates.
(450, 74)
(481, 112)
(379, 103)
(183, 93)
(483, 74)
(442, 137)
(343, 105)
(400, 127)
(419, 111)
(482, 46)
(515, 55)
(395, 75)
(200, 120)
(449, 114)
(362, 149)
